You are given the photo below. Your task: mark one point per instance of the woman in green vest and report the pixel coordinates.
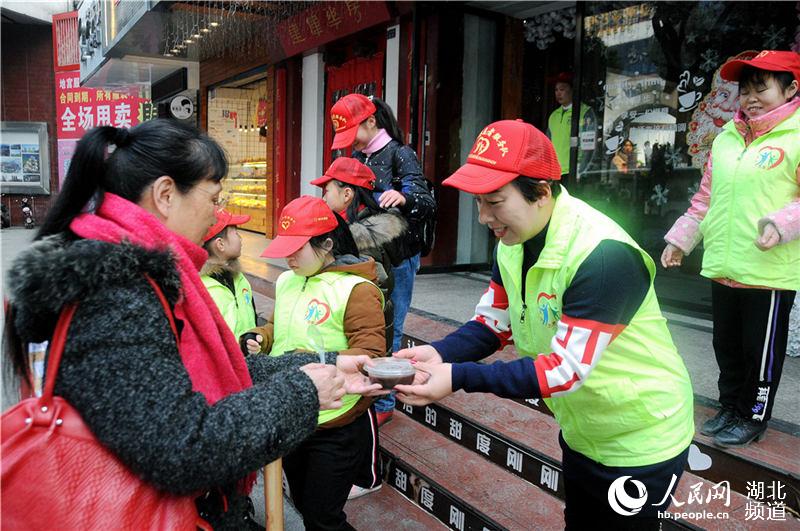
(749, 221)
(326, 302)
(574, 294)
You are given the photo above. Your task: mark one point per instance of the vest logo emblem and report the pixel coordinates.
(548, 310)
(248, 298)
(317, 312)
(769, 157)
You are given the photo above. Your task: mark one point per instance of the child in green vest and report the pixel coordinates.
(222, 276)
(326, 302)
(749, 221)
(348, 186)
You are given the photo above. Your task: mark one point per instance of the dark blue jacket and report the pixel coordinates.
(397, 167)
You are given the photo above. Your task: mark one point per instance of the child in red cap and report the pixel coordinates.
(347, 188)
(749, 222)
(369, 125)
(327, 302)
(575, 294)
(222, 275)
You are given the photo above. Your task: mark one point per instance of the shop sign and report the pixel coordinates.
(91, 40)
(79, 109)
(327, 21)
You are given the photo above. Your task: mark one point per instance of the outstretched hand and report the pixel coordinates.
(355, 381)
(439, 384)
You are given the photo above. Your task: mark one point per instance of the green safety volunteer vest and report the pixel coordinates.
(318, 301)
(747, 183)
(560, 125)
(635, 407)
(236, 308)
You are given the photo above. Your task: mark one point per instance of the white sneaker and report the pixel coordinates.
(357, 492)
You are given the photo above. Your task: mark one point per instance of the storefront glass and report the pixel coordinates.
(650, 74)
(240, 119)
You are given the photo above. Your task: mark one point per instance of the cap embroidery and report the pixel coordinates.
(286, 222)
(484, 139)
(339, 121)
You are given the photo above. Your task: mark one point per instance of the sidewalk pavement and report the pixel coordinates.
(452, 297)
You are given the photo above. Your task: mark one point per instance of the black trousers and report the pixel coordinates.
(751, 329)
(370, 473)
(587, 484)
(321, 471)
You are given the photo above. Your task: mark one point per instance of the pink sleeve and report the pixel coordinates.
(685, 233)
(787, 219)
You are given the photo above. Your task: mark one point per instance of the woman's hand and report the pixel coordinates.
(355, 382)
(329, 384)
(672, 256)
(422, 353)
(769, 237)
(392, 198)
(439, 384)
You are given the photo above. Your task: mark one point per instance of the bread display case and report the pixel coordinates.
(246, 191)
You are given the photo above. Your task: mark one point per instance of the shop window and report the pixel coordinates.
(650, 75)
(240, 118)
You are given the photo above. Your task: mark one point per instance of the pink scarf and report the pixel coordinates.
(207, 346)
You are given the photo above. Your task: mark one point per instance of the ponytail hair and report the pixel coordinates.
(384, 118)
(126, 161)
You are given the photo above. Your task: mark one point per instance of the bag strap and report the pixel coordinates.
(60, 337)
(165, 304)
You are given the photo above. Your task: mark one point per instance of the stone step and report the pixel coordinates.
(462, 489)
(387, 508)
(525, 444)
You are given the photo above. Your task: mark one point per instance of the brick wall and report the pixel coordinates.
(27, 94)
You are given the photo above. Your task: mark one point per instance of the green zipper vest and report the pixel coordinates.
(237, 309)
(747, 183)
(560, 125)
(319, 301)
(635, 407)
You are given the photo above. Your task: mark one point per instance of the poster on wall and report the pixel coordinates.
(24, 161)
(79, 109)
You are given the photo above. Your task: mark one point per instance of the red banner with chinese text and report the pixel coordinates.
(327, 21)
(79, 109)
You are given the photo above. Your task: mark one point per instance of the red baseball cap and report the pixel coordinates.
(772, 60)
(564, 77)
(301, 219)
(346, 115)
(224, 219)
(348, 170)
(502, 152)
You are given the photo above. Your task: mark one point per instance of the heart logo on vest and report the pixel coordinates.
(317, 312)
(548, 309)
(769, 157)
